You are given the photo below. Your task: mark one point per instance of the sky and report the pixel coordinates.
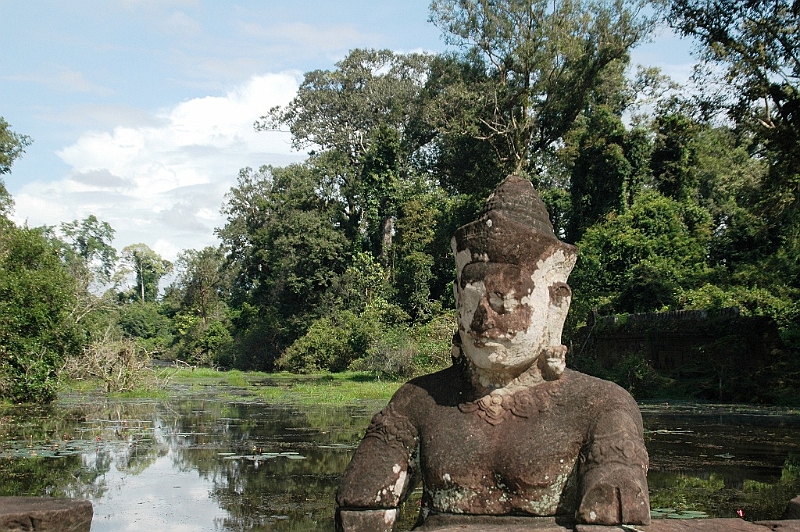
(141, 111)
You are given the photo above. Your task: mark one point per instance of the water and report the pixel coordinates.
(199, 461)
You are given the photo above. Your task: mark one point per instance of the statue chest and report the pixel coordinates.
(518, 465)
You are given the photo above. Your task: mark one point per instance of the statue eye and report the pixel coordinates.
(497, 302)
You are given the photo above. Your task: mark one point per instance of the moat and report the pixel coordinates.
(216, 459)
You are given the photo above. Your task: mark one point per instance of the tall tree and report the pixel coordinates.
(201, 278)
(148, 268)
(12, 146)
(90, 239)
(601, 172)
(286, 242)
(541, 62)
(756, 43)
(364, 119)
(87, 251)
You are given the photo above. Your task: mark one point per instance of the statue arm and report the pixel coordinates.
(614, 472)
(380, 475)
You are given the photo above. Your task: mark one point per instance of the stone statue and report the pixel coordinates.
(506, 433)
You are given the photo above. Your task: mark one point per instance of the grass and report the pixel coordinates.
(316, 388)
(340, 388)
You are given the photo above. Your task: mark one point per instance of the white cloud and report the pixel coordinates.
(62, 80)
(163, 183)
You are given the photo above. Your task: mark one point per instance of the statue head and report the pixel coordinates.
(511, 289)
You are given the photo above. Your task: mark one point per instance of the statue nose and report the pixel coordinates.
(484, 318)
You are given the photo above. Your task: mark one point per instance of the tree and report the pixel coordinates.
(541, 60)
(37, 331)
(601, 172)
(91, 259)
(201, 278)
(148, 268)
(364, 119)
(641, 260)
(286, 243)
(90, 239)
(756, 43)
(12, 146)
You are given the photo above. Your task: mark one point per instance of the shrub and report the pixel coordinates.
(331, 343)
(410, 351)
(119, 363)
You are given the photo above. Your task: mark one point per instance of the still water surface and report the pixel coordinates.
(199, 461)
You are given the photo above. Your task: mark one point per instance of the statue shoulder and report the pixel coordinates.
(441, 387)
(603, 393)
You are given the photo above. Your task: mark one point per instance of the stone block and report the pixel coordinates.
(792, 509)
(682, 525)
(376, 520)
(42, 514)
(787, 525)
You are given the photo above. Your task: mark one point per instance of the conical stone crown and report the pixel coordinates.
(517, 200)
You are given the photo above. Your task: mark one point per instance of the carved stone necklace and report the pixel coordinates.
(499, 405)
(525, 396)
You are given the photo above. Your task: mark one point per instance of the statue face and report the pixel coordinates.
(507, 314)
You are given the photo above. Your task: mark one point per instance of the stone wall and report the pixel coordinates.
(715, 346)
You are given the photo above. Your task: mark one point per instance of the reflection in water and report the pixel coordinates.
(719, 459)
(200, 463)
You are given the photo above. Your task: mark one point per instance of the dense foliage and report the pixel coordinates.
(677, 198)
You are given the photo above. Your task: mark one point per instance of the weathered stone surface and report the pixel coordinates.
(506, 430)
(375, 520)
(461, 523)
(792, 509)
(42, 514)
(522, 524)
(698, 525)
(787, 525)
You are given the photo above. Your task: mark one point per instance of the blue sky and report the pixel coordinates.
(141, 111)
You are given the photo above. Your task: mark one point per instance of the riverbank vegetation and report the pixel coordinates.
(342, 388)
(678, 197)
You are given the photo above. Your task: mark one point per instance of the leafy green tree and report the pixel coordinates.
(147, 267)
(365, 282)
(365, 120)
(541, 61)
(601, 172)
(37, 330)
(754, 44)
(12, 146)
(674, 158)
(202, 280)
(286, 243)
(90, 239)
(464, 160)
(201, 320)
(91, 259)
(414, 269)
(642, 259)
(146, 324)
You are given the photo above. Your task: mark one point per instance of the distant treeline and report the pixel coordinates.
(677, 198)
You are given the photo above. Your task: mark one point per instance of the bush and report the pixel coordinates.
(410, 351)
(146, 323)
(331, 343)
(202, 345)
(119, 363)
